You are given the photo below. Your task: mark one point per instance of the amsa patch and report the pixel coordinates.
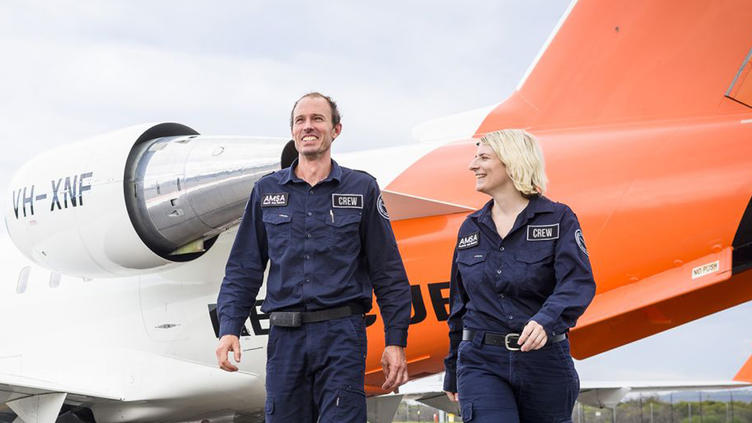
(542, 232)
(469, 241)
(274, 199)
(347, 201)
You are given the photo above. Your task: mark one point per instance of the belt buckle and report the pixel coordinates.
(507, 338)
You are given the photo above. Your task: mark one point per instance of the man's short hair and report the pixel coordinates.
(521, 154)
(332, 105)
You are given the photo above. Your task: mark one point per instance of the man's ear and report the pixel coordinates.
(337, 130)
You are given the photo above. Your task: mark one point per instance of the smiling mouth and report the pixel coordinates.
(309, 138)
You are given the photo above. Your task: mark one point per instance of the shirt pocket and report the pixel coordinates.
(344, 231)
(536, 269)
(278, 227)
(471, 267)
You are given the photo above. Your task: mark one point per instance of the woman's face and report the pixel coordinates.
(490, 172)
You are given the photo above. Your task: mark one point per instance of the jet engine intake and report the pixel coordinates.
(134, 200)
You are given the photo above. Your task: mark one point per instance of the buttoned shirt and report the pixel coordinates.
(327, 245)
(539, 271)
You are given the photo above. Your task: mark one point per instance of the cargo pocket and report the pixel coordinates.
(467, 411)
(350, 404)
(357, 326)
(269, 408)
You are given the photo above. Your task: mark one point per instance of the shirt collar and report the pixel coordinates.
(537, 204)
(288, 174)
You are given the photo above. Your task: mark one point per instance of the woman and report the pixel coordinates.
(520, 279)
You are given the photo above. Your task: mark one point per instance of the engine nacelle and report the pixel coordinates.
(133, 200)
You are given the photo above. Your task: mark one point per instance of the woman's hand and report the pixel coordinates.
(533, 337)
(452, 396)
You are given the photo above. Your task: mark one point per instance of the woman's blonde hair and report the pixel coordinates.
(522, 156)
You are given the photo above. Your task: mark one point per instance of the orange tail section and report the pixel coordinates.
(632, 61)
(642, 112)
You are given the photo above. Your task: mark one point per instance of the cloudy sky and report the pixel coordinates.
(76, 68)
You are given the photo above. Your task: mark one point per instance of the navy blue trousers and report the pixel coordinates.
(498, 385)
(314, 373)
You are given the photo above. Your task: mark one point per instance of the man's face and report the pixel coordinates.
(312, 127)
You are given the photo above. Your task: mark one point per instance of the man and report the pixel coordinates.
(329, 246)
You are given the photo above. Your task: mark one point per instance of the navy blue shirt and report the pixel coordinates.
(540, 271)
(327, 246)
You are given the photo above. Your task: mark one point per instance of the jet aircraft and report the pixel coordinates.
(644, 113)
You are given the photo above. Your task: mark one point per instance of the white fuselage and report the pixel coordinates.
(147, 341)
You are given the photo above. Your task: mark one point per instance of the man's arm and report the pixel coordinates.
(244, 274)
(389, 280)
(575, 286)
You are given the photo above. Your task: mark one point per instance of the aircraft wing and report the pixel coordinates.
(36, 388)
(35, 399)
(429, 391)
(14, 386)
(609, 393)
(595, 393)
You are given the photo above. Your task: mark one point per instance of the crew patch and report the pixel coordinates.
(347, 201)
(381, 207)
(542, 232)
(580, 241)
(274, 199)
(469, 241)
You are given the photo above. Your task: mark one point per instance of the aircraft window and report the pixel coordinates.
(741, 87)
(54, 280)
(23, 280)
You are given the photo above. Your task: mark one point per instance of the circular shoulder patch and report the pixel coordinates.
(382, 208)
(580, 241)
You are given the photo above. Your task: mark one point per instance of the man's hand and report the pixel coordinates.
(533, 337)
(452, 396)
(226, 344)
(395, 367)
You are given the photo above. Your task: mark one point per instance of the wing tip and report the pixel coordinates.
(745, 373)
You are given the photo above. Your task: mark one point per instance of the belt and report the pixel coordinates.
(508, 340)
(293, 319)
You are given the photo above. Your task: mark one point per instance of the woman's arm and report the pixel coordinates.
(457, 300)
(575, 286)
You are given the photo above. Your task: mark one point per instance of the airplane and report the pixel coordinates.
(119, 241)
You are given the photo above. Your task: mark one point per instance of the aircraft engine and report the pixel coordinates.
(133, 200)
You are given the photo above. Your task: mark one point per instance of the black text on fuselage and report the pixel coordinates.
(438, 293)
(67, 191)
